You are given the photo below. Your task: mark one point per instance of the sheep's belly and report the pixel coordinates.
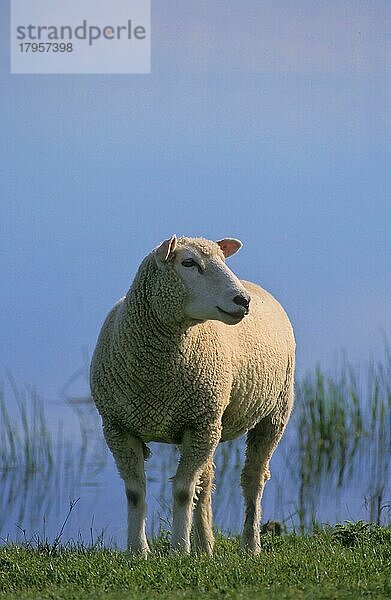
(242, 415)
(161, 422)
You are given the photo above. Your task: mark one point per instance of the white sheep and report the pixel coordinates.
(184, 358)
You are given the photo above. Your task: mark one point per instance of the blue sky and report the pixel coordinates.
(266, 121)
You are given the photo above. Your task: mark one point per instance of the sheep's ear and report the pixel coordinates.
(229, 246)
(166, 249)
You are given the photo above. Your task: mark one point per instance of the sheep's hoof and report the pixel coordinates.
(140, 552)
(203, 541)
(255, 551)
(251, 547)
(180, 547)
(205, 548)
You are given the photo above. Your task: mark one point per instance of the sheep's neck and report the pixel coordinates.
(142, 324)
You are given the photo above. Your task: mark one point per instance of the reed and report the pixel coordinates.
(343, 434)
(38, 466)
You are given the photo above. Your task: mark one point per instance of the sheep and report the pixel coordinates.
(184, 358)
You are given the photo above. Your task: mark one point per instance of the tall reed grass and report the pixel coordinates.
(39, 465)
(343, 434)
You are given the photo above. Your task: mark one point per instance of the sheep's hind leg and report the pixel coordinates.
(197, 449)
(260, 445)
(129, 453)
(203, 535)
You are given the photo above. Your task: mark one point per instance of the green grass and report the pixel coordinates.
(349, 561)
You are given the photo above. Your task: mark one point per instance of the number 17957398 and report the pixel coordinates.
(45, 47)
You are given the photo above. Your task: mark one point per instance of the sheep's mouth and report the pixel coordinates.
(238, 316)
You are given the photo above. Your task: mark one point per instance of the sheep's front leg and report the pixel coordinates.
(129, 454)
(260, 445)
(203, 535)
(197, 449)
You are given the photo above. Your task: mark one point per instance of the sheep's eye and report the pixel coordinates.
(189, 262)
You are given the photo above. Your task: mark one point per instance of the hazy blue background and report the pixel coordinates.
(268, 121)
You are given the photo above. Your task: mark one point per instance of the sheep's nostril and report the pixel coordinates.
(242, 301)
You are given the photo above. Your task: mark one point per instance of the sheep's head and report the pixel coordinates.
(212, 291)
